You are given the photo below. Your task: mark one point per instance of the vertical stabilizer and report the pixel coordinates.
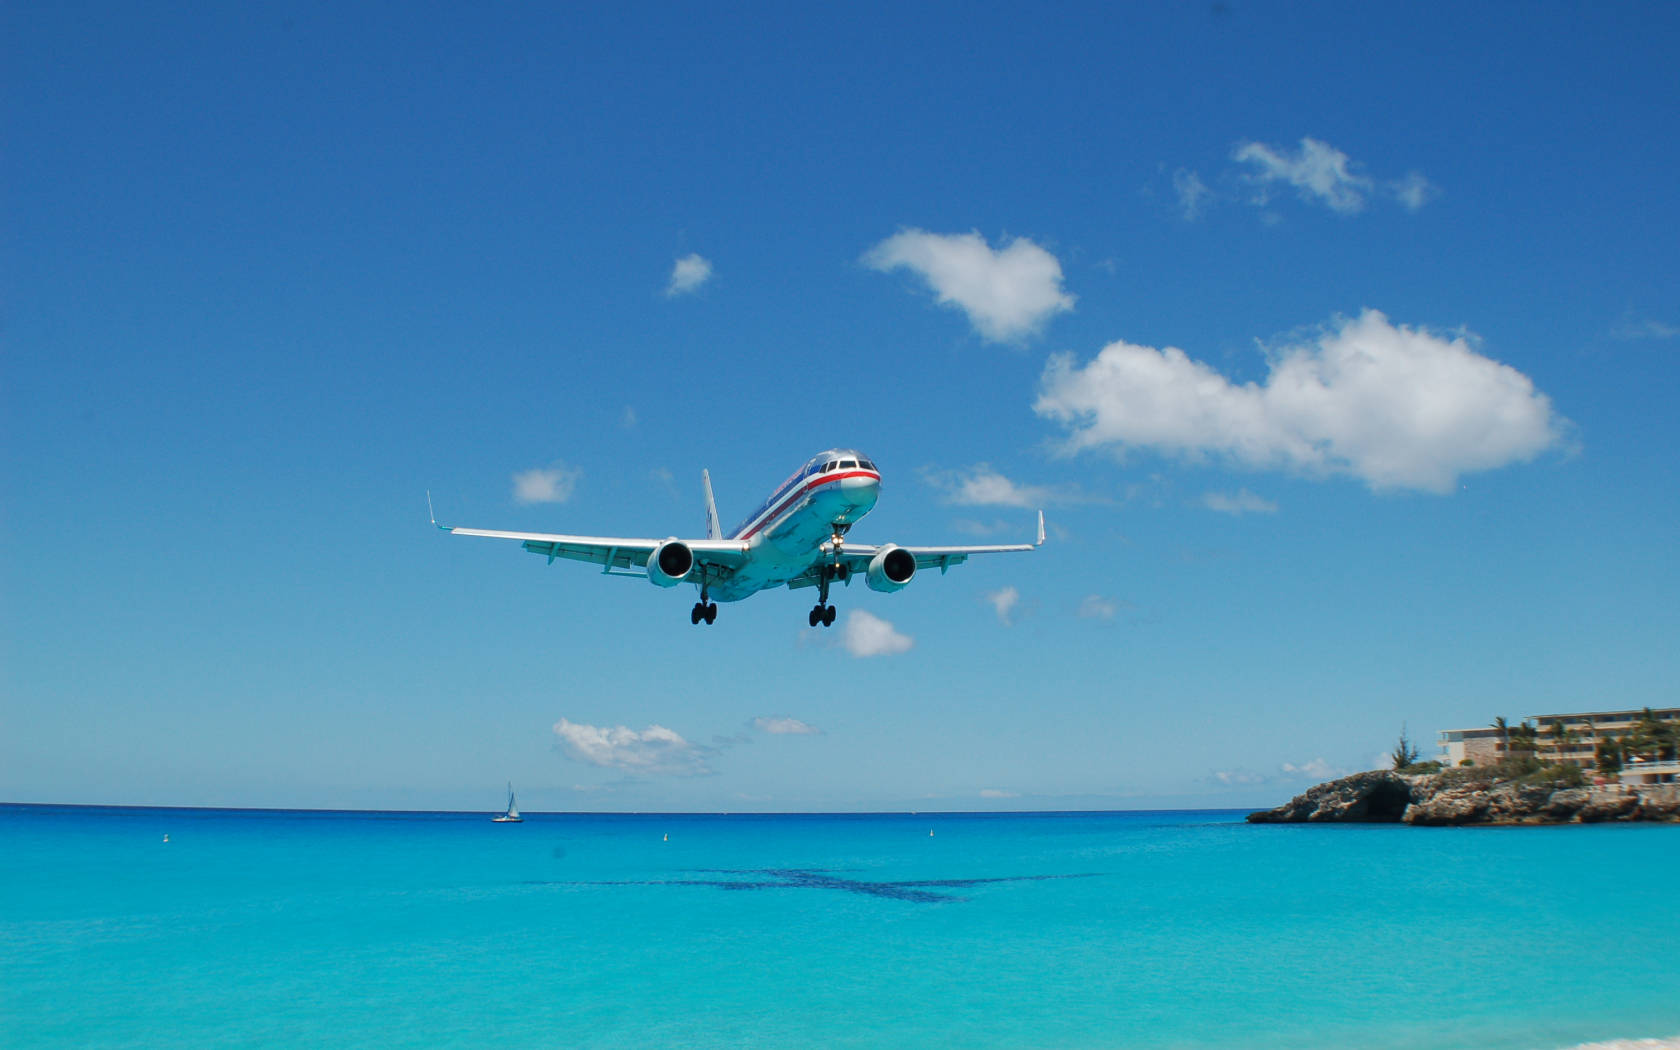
(714, 531)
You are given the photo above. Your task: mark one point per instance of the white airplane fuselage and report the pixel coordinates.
(788, 532)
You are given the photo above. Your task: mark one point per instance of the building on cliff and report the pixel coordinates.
(1569, 737)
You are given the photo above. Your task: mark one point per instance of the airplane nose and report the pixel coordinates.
(861, 491)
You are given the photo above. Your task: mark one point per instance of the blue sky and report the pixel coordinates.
(1338, 344)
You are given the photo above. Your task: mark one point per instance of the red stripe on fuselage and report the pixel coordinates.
(821, 479)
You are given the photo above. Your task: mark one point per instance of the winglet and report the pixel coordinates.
(1040, 542)
(433, 513)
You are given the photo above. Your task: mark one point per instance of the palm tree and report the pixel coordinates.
(1562, 737)
(1504, 734)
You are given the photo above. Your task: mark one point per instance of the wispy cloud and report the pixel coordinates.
(550, 484)
(1413, 191)
(1097, 607)
(1193, 193)
(996, 793)
(786, 726)
(866, 634)
(1644, 328)
(1319, 171)
(1397, 407)
(1312, 769)
(1007, 293)
(1239, 502)
(654, 750)
(1003, 603)
(981, 486)
(688, 274)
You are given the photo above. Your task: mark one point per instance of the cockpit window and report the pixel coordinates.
(848, 463)
(866, 465)
(830, 465)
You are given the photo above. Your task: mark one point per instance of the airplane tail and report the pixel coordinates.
(714, 531)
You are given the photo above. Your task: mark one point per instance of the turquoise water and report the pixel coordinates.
(1147, 930)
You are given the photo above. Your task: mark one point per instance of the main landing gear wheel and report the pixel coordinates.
(823, 614)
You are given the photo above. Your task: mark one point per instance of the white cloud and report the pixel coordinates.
(1192, 193)
(688, 274)
(868, 635)
(1003, 603)
(1318, 171)
(1008, 294)
(1398, 407)
(552, 484)
(653, 750)
(981, 486)
(995, 793)
(1096, 607)
(1240, 502)
(629, 419)
(782, 726)
(1239, 777)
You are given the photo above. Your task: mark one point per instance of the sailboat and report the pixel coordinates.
(512, 815)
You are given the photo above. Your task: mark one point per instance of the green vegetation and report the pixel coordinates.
(1405, 752)
(1420, 767)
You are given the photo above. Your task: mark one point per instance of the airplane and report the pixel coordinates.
(796, 538)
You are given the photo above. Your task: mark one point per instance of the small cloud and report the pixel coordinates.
(868, 635)
(1240, 502)
(688, 274)
(1315, 769)
(1414, 191)
(1192, 193)
(629, 420)
(1007, 294)
(655, 749)
(1003, 603)
(995, 793)
(1096, 607)
(981, 486)
(1239, 777)
(1319, 171)
(786, 726)
(551, 484)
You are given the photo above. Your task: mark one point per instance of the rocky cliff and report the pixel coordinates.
(1465, 797)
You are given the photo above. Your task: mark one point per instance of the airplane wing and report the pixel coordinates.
(857, 556)
(617, 555)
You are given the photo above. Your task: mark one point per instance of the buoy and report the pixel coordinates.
(166, 838)
(930, 833)
(667, 836)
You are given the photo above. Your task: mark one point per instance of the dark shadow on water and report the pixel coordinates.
(916, 890)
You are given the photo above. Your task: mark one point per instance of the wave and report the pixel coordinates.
(1672, 1043)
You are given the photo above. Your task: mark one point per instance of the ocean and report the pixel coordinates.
(1149, 930)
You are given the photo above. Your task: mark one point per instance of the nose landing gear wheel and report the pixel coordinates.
(703, 611)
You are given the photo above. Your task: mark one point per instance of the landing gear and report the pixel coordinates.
(823, 613)
(704, 609)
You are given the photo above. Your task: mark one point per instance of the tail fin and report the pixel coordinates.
(714, 531)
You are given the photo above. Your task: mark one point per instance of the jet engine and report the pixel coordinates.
(891, 568)
(669, 563)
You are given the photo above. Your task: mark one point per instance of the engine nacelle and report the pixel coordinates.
(891, 568)
(670, 563)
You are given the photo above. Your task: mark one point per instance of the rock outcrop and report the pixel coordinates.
(1378, 797)
(1458, 797)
